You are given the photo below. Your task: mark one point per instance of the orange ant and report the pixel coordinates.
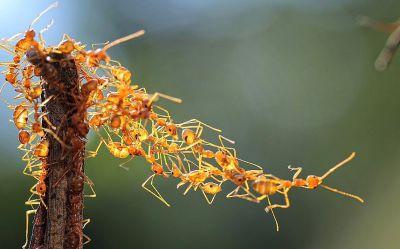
(270, 185)
(95, 57)
(312, 181)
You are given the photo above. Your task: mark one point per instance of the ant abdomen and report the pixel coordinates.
(265, 187)
(76, 185)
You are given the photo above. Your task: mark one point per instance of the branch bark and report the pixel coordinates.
(58, 225)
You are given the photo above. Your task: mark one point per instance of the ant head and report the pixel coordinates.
(313, 181)
(171, 129)
(157, 169)
(30, 34)
(41, 188)
(115, 122)
(238, 178)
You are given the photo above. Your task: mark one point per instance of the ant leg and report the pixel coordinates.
(250, 163)
(90, 184)
(286, 205)
(156, 193)
(207, 199)
(122, 164)
(1, 89)
(262, 197)
(187, 162)
(273, 215)
(44, 102)
(188, 188)
(31, 168)
(88, 239)
(247, 196)
(85, 222)
(57, 138)
(165, 96)
(180, 184)
(34, 202)
(334, 168)
(213, 196)
(199, 130)
(297, 173)
(342, 193)
(6, 48)
(181, 165)
(94, 153)
(27, 215)
(45, 118)
(186, 148)
(233, 193)
(208, 126)
(220, 138)
(168, 116)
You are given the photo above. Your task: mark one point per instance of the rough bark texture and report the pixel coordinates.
(60, 225)
(39, 226)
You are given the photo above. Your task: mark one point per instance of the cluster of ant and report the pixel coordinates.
(131, 124)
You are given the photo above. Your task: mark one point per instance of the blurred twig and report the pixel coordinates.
(392, 43)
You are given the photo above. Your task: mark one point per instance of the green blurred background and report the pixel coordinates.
(292, 82)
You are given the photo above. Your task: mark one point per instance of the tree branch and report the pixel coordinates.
(60, 225)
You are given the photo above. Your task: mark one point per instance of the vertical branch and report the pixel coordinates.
(64, 194)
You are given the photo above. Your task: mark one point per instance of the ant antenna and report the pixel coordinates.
(52, 6)
(44, 30)
(124, 39)
(343, 193)
(334, 168)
